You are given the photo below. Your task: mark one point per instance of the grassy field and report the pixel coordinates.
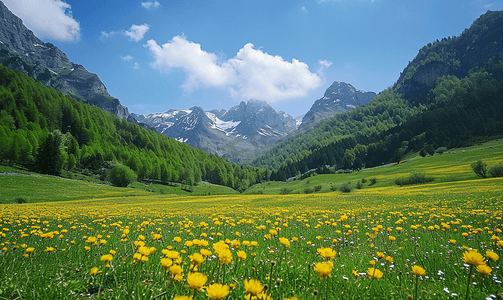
(453, 165)
(110, 243)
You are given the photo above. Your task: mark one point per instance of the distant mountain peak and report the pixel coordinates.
(237, 133)
(340, 97)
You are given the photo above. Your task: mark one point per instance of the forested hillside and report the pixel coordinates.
(450, 95)
(91, 138)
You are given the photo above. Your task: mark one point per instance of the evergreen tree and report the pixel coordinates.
(49, 159)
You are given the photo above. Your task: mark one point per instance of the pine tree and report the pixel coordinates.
(49, 159)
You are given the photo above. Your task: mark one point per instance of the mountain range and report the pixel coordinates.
(246, 130)
(242, 132)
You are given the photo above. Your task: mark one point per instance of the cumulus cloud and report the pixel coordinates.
(137, 32)
(325, 63)
(201, 67)
(127, 58)
(48, 19)
(136, 65)
(252, 73)
(150, 4)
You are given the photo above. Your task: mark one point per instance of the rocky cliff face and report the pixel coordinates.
(20, 49)
(340, 97)
(238, 133)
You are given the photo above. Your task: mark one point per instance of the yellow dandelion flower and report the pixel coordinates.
(418, 271)
(324, 270)
(484, 270)
(196, 280)
(175, 270)
(217, 291)
(107, 258)
(225, 256)
(196, 259)
(326, 253)
(253, 287)
(94, 271)
(492, 255)
(374, 273)
(241, 255)
(473, 258)
(166, 263)
(284, 241)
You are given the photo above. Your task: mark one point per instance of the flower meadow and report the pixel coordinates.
(437, 242)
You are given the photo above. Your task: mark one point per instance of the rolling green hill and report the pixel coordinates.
(450, 96)
(40, 127)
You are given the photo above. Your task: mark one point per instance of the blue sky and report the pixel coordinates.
(158, 55)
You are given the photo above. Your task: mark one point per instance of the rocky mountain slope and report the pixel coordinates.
(21, 50)
(340, 97)
(238, 133)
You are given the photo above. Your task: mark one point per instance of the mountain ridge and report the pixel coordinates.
(21, 50)
(237, 133)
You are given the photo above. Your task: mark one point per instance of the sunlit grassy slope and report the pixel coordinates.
(452, 166)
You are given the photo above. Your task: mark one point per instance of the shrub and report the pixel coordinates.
(496, 171)
(121, 175)
(417, 177)
(441, 150)
(480, 168)
(317, 188)
(285, 190)
(345, 188)
(373, 181)
(364, 180)
(423, 152)
(359, 184)
(333, 188)
(308, 190)
(21, 200)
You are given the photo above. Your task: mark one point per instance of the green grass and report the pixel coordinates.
(453, 165)
(34, 187)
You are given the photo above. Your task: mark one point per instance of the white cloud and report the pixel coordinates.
(137, 32)
(271, 78)
(127, 58)
(150, 4)
(252, 73)
(201, 66)
(136, 65)
(105, 35)
(325, 63)
(303, 8)
(48, 19)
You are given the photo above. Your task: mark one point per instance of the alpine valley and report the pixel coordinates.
(448, 96)
(246, 130)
